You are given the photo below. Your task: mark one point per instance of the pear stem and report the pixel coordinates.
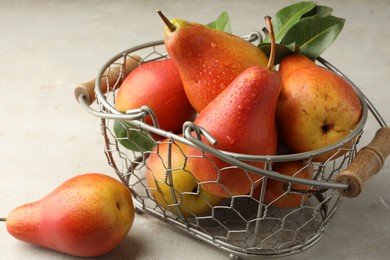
(168, 23)
(3, 219)
(271, 59)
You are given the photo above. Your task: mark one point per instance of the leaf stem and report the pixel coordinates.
(168, 23)
(3, 219)
(271, 59)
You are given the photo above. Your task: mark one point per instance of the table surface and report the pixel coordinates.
(48, 47)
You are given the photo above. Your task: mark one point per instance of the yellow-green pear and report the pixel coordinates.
(181, 190)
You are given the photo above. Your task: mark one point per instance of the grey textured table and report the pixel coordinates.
(48, 47)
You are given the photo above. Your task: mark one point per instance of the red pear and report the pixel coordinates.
(280, 194)
(208, 59)
(157, 84)
(88, 215)
(242, 120)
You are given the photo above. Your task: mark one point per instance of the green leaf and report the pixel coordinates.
(313, 35)
(286, 17)
(319, 10)
(133, 138)
(222, 23)
(281, 51)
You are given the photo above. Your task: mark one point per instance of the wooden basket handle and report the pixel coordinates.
(367, 162)
(110, 77)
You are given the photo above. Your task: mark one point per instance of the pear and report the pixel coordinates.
(316, 108)
(242, 120)
(87, 215)
(157, 84)
(181, 190)
(280, 194)
(208, 59)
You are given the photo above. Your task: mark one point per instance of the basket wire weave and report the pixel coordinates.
(242, 225)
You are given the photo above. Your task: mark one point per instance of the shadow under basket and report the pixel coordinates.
(244, 225)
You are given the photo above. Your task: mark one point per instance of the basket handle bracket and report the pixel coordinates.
(367, 162)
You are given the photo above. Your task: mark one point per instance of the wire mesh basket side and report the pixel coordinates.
(244, 223)
(249, 223)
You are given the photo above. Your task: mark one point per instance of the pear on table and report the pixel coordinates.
(87, 215)
(208, 59)
(242, 120)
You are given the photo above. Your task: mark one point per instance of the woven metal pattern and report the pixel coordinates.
(245, 224)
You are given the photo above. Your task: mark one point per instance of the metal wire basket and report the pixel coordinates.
(243, 225)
